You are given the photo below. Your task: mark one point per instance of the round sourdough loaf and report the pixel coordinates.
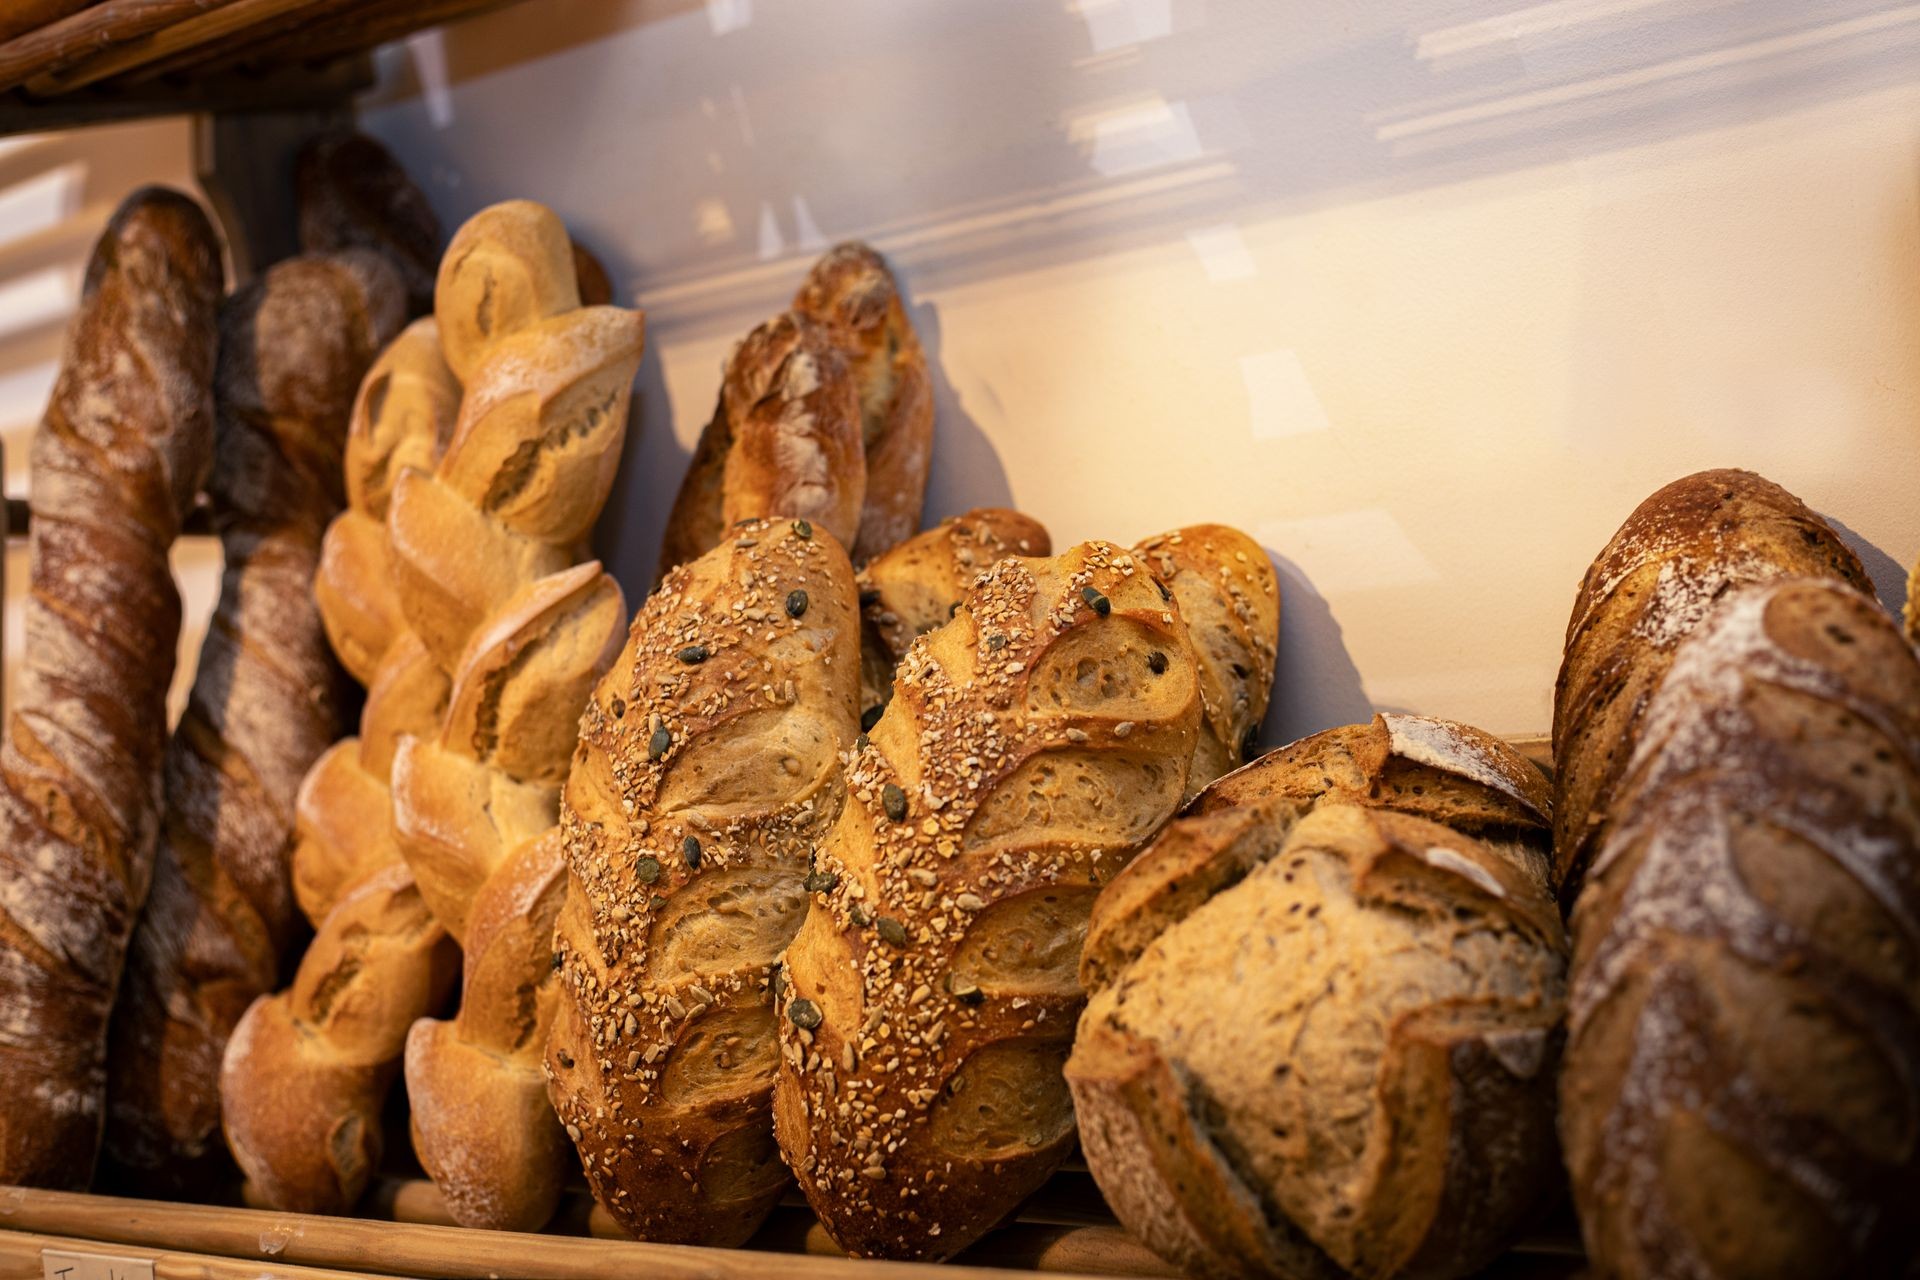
(1323, 1029)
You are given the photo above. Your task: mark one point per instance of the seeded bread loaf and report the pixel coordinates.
(1031, 744)
(707, 770)
(1230, 599)
(1679, 552)
(1742, 1087)
(220, 920)
(915, 586)
(116, 461)
(1341, 1064)
(851, 291)
(1449, 773)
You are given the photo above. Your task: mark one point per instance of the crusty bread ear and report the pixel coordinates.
(1031, 744)
(708, 768)
(851, 292)
(1230, 598)
(116, 462)
(507, 266)
(1737, 985)
(1413, 982)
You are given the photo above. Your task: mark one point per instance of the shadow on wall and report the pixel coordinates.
(966, 471)
(627, 535)
(1316, 684)
(1888, 574)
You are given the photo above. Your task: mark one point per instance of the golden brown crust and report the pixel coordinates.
(507, 266)
(1030, 745)
(1678, 553)
(1415, 978)
(116, 462)
(708, 767)
(1741, 1092)
(1437, 769)
(266, 701)
(851, 291)
(913, 587)
(1230, 598)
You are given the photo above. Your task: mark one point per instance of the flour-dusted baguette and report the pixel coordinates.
(475, 812)
(851, 291)
(116, 462)
(1679, 552)
(266, 701)
(1031, 744)
(911, 588)
(1743, 1063)
(352, 194)
(1379, 1101)
(708, 768)
(1230, 598)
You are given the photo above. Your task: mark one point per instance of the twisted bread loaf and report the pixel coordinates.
(911, 588)
(1230, 600)
(1412, 981)
(266, 701)
(851, 291)
(476, 812)
(1742, 1086)
(708, 768)
(1679, 552)
(1031, 744)
(825, 414)
(116, 462)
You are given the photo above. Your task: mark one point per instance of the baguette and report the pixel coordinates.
(122, 450)
(1230, 598)
(1391, 878)
(266, 701)
(851, 291)
(708, 768)
(1679, 552)
(350, 193)
(1744, 1041)
(915, 586)
(1030, 745)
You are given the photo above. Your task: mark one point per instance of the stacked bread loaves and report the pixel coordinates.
(1324, 1010)
(1031, 743)
(1740, 1095)
(267, 700)
(449, 585)
(825, 415)
(117, 460)
(708, 769)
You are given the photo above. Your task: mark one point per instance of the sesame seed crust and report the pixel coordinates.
(919, 1096)
(661, 1058)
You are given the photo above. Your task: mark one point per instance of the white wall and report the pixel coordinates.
(1427, 294)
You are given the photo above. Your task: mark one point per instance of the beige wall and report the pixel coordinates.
(56, 193)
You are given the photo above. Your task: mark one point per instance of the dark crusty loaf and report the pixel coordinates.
(1230, 598)
(266, 701)
(1340, 1065)
(1679, 552)
(911, 588)
(1742, 1089)
(352, 194)
(708, 768)
(851, 291)
(116, 462)
(1436, 769)
(1031, 744)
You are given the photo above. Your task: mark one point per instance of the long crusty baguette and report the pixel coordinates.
(911, 588)
(851, 291)
(1743, 1067)
(116, 462)
(1379, 1102)
(1679, 552)
(708, 768)
(350, 193)
(266, 701)
(1031, 744)
(1230, 599)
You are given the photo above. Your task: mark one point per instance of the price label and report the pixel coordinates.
(65, 1264)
